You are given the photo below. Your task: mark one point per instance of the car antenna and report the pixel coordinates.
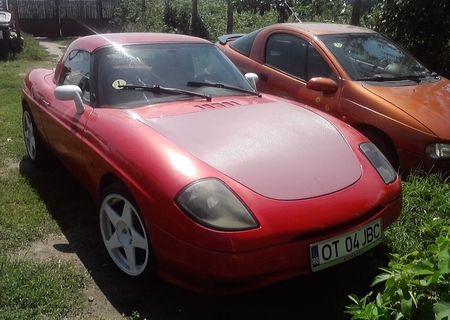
(293, 12)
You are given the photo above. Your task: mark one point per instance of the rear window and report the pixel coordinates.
(244, 44)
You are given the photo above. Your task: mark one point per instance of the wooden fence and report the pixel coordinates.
(64, 17)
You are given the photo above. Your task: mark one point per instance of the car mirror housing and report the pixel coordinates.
(70, 92)
(252, 78)
(326, 85)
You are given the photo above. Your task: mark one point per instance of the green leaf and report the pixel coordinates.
(380, 278)
(444, 259)
(442, 310)
(354, 298)
(406, 307)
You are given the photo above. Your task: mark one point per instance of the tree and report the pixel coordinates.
(422, 26)
(194, 21)
(323, 10)
(262, 6)
(356, 12)
(230, 17)
(197, 26)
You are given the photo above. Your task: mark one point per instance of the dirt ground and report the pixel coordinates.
(109, 294)
(53, 47)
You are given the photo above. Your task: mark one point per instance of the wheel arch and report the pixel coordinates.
(108, 179)
(25, 103)
(111, 178)
(377, 136)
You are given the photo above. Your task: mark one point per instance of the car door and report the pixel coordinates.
(63, 125)
(289, 62)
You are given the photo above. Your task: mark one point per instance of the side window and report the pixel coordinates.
(244, 44)
(287, 53)
(317, 66)
(76, 72)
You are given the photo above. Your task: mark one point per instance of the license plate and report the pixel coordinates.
(332, 251)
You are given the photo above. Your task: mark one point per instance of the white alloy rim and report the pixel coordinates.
(28, 134)
(124, 234)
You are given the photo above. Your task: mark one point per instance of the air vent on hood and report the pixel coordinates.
(217, 105)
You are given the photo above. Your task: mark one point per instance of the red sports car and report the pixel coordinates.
(198, 176)
(359, 76)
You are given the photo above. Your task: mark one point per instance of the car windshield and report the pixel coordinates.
(373, 57)
(142, 74)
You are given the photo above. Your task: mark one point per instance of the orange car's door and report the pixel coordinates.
(290, 62)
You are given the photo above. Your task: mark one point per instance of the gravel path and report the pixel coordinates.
(52, 46)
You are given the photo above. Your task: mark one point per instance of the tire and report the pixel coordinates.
(124, 234)
(385, 145)
(36, 149)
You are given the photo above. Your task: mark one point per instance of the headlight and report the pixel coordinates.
(379, 161)
(438, 150)
(214, 205)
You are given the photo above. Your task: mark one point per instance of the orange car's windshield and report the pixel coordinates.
(370, 56)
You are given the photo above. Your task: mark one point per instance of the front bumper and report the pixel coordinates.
(412, 162)
(209, 271)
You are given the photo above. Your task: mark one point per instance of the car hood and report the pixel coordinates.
(278, 150)
(428, 103)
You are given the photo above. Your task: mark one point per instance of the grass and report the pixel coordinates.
(36, 290)
(28, 289)
(23, 216)
(426, 208)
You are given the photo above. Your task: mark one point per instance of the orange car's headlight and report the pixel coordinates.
(438, 150)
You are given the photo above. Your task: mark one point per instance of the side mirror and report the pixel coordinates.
(70, 92)
(326, 85)
(252, 78)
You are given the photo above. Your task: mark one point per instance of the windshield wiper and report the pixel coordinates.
(415, 78)
(159, 89)
(221, 85)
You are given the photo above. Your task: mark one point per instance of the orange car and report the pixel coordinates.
(359, 76)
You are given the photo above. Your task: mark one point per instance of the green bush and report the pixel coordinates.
(32, 50)
(416, 286)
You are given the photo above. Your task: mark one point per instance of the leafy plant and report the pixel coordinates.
(422, 26)
(32, 50)
(416, 286)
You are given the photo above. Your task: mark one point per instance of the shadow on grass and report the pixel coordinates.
(321, 296)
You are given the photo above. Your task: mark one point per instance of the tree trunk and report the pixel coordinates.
(194, 21)
(356, 12)
(230, 17)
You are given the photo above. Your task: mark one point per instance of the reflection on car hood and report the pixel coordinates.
(428, 103)
(278, 150)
